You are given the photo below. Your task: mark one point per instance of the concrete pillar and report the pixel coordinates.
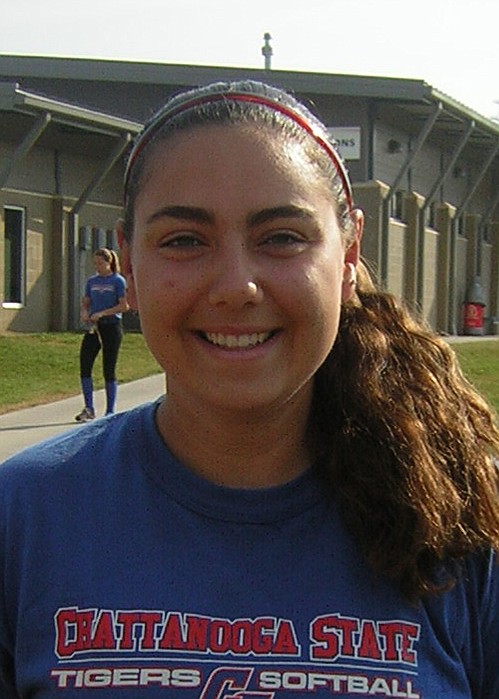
(369, 197)
(58, 265)
(2, 257)
(444, 216)
(412, 205)
(471, 226)
(494, 278)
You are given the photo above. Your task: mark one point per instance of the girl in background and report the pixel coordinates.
(102, 306)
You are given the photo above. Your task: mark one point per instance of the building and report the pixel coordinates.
(425, 170)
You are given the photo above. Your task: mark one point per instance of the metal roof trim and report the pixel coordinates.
(12, 98)
(113, 70)
(453, 105)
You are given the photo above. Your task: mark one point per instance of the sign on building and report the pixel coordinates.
(348, 139)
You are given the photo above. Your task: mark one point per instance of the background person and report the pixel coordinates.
(102, 306)
(312, 510)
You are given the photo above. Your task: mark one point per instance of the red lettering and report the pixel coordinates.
(262, 639)
(64, 618)
(82, 630)
(149, 620)
(409, 635)
(335, 634)
(219, 636)
(285, 642)
(104, 638)
(84, 621)
(127, 620)
(172, 634)
(241, 637)
(197, 632)
(369, 642)
(399, 641)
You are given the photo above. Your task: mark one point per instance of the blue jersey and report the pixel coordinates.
(105, 292)
(123, 574)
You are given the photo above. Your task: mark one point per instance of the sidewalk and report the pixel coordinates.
(21, 428)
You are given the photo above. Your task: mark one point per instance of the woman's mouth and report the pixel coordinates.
(243, 341)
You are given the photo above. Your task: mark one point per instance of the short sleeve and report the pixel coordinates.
(120, 286)
(482, 636)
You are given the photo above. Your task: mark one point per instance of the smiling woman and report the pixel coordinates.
(313, 507)
(234, 261)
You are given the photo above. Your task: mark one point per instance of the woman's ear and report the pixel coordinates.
(349, 282)
(352, 257)
(352, 253)
(126, 265)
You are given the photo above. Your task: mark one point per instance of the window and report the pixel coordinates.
(15, 256)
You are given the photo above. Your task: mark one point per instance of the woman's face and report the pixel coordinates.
(102, 266)
(237, 268)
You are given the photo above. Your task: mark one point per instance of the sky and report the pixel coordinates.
(451, 44)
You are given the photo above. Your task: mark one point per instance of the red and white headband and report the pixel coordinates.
(170, 112)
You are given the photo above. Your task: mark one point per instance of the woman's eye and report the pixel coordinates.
(284, 238)
(182, 240)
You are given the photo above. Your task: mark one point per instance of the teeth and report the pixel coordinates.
(231, 341)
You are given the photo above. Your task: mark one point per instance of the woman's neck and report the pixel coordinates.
(238, 450)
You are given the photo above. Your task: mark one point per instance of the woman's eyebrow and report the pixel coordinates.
(200, 215)
(186, 213)
(286, 211)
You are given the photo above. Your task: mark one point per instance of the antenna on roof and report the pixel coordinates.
(267, 51)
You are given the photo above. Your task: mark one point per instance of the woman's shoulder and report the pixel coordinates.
(119, 279)
(82, 448)
(474, 597)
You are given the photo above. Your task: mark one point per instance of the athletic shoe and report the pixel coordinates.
(85, 415)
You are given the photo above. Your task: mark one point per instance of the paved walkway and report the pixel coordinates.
(21, 428)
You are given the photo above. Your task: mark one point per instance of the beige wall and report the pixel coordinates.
(431, 279)
(461, 279)
(396, 259)
(47, 259)
(445, 278)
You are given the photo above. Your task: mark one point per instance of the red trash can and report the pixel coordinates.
(473, 309)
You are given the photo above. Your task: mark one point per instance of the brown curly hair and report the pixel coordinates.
(407, 444)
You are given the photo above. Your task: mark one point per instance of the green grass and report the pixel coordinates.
(37, 368)
(480, 363)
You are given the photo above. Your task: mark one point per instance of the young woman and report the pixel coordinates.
(312, 510)
(102, 306)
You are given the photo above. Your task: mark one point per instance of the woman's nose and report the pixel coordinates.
(235, 284)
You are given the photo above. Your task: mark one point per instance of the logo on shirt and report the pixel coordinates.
(342, 654)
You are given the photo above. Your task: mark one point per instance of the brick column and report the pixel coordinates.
(369, 197)
(471, 224)
(59, 267)
(494, 277)
(413, 205)
(444, 216)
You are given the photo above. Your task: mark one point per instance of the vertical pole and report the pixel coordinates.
(267, 51)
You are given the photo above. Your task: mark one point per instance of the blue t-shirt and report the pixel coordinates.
(123, 574)
(105, 292)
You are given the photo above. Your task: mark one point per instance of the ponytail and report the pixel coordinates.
(406, 444)
(115, 262)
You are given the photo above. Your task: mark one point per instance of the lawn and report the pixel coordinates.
(480, 363)
(36, 368)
